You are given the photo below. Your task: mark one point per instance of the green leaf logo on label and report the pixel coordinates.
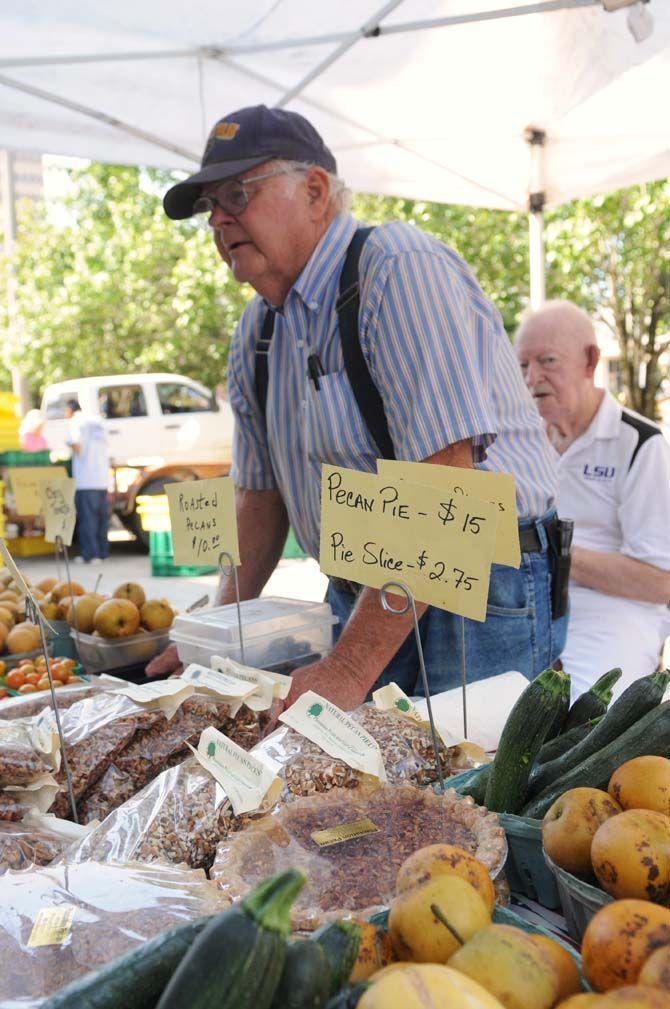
(315, 710)
(402, 704)
(211, 750)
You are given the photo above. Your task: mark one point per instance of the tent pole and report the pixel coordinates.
(536, 251)
(537, 140)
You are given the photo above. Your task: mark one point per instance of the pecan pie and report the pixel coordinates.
(357, 875)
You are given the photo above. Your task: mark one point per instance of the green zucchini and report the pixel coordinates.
(556, 726)
(594, 702)
(561, 744)
(305, 979)
(522, 736)
(650, 735)
(340, 941)
(134, 980)
(472, 782)
(636, 700)
(237, 961)
(348, 998)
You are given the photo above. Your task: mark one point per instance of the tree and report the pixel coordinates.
(114, 286)
(111, 285)
(611, 255)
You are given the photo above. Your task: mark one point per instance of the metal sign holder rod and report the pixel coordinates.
(409, 604)
(227, 568)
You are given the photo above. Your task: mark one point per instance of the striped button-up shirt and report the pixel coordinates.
(436, 350)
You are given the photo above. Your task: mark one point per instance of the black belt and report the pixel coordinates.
(529, 541)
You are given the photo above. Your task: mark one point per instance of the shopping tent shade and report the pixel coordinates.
(409, 106)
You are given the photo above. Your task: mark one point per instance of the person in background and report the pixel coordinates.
(90, 470)
(30, 432)
(614, 481)
(437, 358)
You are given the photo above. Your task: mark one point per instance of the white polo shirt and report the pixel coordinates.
(614, 481)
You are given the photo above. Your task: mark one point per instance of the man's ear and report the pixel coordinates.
(317, 186)
(592, 358)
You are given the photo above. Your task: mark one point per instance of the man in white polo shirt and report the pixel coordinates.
(614, 481)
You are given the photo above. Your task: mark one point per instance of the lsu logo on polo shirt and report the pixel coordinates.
(598, 472)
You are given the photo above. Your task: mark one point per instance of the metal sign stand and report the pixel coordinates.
(464, 681)
(227, 568)
(409, 602)
(36, 615)
(61, 551)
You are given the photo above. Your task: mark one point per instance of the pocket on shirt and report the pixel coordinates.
(336, 433)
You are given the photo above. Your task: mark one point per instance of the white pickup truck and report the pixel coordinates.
(160, 428)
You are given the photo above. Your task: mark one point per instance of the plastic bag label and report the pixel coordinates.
(166, 695)
(392, 698)
(336, 733)
(344, 832)
(226, 687)
(52, 926)
(267, 685)
(247, 781)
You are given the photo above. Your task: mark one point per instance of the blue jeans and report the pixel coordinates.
(92, 522)
(518, 632)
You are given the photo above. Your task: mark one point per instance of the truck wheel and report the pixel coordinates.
(132, 522)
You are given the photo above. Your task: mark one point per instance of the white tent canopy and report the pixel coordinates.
(412, 101)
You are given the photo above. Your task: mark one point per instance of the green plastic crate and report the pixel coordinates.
(292, 549)
(162, 559)
(25, 459)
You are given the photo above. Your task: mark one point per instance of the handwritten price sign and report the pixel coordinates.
(440, 544)
(202, 515)
(498, 488)
(59, 510)
(27, 485)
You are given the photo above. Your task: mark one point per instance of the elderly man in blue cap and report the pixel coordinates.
(364, 343)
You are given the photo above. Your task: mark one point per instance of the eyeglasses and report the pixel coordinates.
(232, 197)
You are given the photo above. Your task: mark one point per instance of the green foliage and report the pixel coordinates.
(115, 286)
(111, 285)
(611, 255)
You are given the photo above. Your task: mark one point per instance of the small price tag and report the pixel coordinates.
(344, 832)
(376, 530)
(58, 510)
(498, 488)
(203, 519)
(52, 926)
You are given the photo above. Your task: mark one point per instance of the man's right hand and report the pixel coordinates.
(166, 663)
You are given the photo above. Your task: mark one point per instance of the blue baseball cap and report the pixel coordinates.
(242, 140)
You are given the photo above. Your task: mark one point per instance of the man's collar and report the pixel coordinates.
(607, 421)
(327, 256)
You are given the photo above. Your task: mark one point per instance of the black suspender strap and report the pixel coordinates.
(365, 391)
(262, 351)
(367, 395)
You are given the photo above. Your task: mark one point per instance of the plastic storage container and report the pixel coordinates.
(30, 546)
(274, 631)
(579, 900)
(98, 655)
